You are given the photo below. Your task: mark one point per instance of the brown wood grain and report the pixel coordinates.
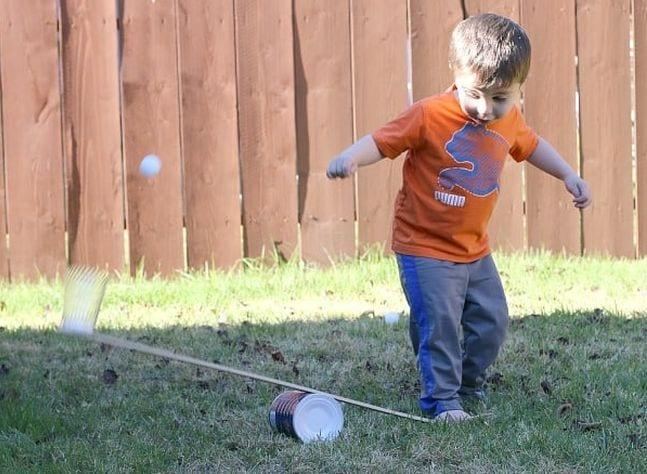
(640, 41)
(324, 127)
(264, 41)
(92, 135)
(210, 133)
(151, 123)
(549, 107)
(380, 94)
(605, 121)
(4, 250)
(32, 145)
(509, 8)
(507, 226)
(432, 24)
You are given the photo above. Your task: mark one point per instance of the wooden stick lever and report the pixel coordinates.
(139, 347)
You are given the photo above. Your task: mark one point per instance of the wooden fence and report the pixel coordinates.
(245, 101)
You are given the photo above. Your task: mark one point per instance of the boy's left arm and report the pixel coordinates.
(547, 159)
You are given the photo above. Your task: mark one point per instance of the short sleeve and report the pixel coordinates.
(525, 139)
(405, 132)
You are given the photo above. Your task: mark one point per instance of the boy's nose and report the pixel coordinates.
(484, 107)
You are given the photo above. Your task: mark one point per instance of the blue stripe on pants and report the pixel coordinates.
(421, 333)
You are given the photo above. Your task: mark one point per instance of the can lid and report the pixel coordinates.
(318, 417)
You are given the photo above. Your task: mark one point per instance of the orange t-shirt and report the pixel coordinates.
(450, 178)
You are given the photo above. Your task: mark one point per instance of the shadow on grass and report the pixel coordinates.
(568, 389)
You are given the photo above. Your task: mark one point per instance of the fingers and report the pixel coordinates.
(572, 186)
(333, 170)
(582, 195)
(580, 191)
(338, 168)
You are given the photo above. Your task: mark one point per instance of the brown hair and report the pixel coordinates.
(493, 47)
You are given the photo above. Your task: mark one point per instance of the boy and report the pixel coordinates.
(457, 143)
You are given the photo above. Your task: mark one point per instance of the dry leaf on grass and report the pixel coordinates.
(278, 356)
(495, 379)
(564, 408)
(109, 376)
(546, 387)
(588, 426)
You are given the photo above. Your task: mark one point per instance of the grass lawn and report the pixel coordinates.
(567, 394)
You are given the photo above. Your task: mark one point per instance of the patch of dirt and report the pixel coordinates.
(495, 379)
(546, 387)
(109, 377)
(550, 353)
(588, 426)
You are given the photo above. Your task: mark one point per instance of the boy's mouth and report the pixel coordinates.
(476, 117)
(481, 121)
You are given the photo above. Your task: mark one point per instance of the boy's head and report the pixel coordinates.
(490, 58)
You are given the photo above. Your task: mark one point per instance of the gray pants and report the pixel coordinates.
(445, 298)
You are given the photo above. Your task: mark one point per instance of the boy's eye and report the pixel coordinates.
(472, 94)
(500, 99)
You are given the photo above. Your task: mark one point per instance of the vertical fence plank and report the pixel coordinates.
(151, 124)
(432, 23)
(551, 27)
(324, 127)
(92, 137)
(506, 228)
(379, 53)
(210, 132)
(605, 121)
(264, 42)
(33, 149)
(640, 48)
(4, 252)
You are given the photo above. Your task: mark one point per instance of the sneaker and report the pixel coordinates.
(453, 416)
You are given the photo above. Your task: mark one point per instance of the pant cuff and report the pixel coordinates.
(436, 407)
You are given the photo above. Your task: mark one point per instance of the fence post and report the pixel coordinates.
(549, 107)
(151, 124)
(264, 42)
(605, 124)
(210, 133)
(92, 134)
(324, 127)
(380, 94)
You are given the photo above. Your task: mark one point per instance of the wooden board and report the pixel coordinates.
(509, 8)
(32, 129)
(506, 227)
(380, 94)
(605, 121)
(432, 23)
(151, 123)
(640, 41)
(4, 250)
(267, 129)
(92, 134)
(210, 133)
(549, 107)
(324, 127)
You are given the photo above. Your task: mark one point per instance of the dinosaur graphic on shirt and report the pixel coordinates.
(479, 154)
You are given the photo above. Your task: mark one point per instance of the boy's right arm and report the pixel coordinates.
(361, 153)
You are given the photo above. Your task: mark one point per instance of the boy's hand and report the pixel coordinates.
(579, 189)
(341, 166)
